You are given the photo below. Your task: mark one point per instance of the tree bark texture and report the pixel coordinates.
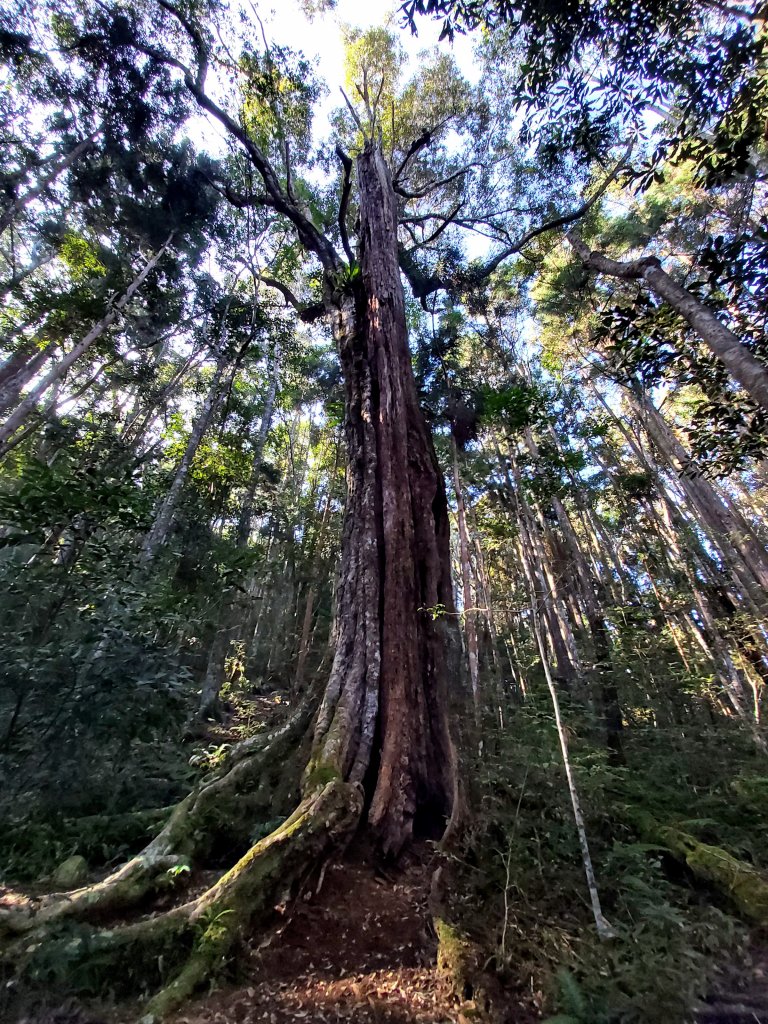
(381, 744)
(383, 722)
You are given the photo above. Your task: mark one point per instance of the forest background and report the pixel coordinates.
(189, 229)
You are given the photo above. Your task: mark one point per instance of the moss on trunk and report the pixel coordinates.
(226, 808)
(740, 882)
(743, 884)
(248, 891)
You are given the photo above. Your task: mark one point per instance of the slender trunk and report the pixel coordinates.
(604, 929)
(531, 562)
(17, 371)
(40, 260)
(701, 509)
(8, 215)
(158, 534)
(57, 372)
(470, 615)
(246, 509)
(304, 639)
(317, 549)
(237, 617)
(726, 526)
(592, 594)
(736, 357)
(714, 643)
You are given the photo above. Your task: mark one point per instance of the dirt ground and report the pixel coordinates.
(361, 950)
(356, 945)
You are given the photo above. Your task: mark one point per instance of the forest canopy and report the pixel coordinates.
(383, 543)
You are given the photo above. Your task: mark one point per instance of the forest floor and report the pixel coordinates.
(739, 992)
(361, 949)
(356, 945)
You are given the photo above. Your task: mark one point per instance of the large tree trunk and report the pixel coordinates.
(383, 721)
(381, 744)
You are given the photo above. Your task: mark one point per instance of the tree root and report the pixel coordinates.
(462, 962)
(88, 835)
(229, 803)
(208, 927)
(248, 891)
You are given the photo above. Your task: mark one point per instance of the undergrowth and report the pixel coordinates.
(518, 877)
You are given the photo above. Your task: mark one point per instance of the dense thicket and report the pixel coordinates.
(353, 478)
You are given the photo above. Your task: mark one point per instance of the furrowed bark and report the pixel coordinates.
(381, 742)
(384, 716)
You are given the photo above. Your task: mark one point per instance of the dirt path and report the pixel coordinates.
(361, 950)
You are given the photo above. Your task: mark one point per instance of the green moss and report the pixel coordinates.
(745, 886)
(454, 953)
(318, 774)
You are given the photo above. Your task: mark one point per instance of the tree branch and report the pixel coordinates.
(307, 313)
(419, 144)
(353, 112)
(288, 183)
(309, 236)
(346, 188)
(632, 270)
(433, 186)
(552, 225)
(439, 230)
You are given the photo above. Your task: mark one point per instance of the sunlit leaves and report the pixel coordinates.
(279, 90)
(80, 257)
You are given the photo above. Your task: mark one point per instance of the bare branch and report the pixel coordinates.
(418, 144)
(346, 188)
(557, 222)
(438, 231)
(433, 186)
(309, 236)
(196, 37)
(353, 112)
(308, 312)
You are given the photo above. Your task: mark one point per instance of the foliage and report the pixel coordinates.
(521, 853)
